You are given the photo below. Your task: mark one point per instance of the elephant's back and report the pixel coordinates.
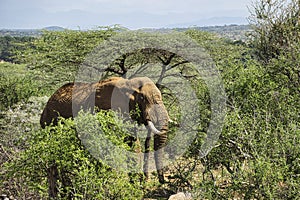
(71, 97)
(111, 80)
(63, 94)
(61, 101)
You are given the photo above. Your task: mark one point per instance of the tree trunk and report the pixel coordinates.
(52, 173)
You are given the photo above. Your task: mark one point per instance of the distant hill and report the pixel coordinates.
(233, 32)
(216, 21)
(28, 32)
(20, 32)
(54, 28)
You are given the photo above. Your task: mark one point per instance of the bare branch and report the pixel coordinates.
(177, 64)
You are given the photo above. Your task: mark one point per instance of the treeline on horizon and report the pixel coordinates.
(10, 40)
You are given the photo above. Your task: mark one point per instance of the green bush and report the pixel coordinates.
(276, 28)
(10, 44)
(15, 86)
(18, 84)
(257, 152)
(80, 174)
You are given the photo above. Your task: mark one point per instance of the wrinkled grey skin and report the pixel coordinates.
(117, 94)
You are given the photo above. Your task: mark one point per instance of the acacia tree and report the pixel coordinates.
(276, 26)
(276, 39)
(56, 55)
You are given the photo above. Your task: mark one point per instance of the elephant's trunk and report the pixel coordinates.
(159, 143)
(157, 118)
(160, 118)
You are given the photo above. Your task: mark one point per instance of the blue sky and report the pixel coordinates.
(133, 14)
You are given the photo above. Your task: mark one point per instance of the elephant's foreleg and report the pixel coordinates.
(146, 155)
(159, 142)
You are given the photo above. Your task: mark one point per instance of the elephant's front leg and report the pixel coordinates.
(146, 155)
(159, 142)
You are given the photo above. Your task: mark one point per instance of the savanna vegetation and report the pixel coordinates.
(256, 157)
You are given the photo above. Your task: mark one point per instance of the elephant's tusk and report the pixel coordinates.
(152, 128)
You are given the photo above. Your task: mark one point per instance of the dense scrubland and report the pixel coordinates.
(256, 157)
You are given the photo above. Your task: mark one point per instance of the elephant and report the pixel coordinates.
(121, 94)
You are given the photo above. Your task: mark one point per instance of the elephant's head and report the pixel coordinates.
(139, 97)
(147, 99)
